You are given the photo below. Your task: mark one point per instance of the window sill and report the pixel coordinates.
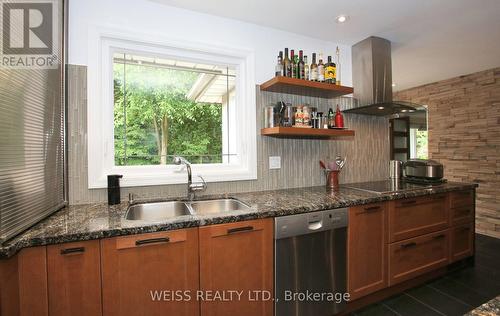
(141, 176)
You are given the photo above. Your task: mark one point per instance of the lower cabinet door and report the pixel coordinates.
(74, 279)
(236, 264)
(151, 274)
(462, 242)
(413, 257)
(366, 250)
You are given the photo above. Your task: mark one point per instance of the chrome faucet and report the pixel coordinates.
(192, 188)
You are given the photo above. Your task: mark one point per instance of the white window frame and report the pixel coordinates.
(103, 42)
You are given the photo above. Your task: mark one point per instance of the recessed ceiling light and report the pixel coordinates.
(341, 18)
(404, 111)
(393, 84)
(380, 108)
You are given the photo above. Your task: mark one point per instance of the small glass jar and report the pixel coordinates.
(307, 116)
(299, 117)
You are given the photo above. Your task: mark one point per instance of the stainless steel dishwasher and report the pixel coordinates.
(310, 257)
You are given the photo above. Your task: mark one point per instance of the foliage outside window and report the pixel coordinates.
(422, 144)
(165, 107)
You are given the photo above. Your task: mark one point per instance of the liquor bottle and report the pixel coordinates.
(331, 119)
(287, 65)
(338, 71)
(339, 118)
(314, 69)
(300, 66)
(293, 59)
(321, 68)
(279, 65)
(330, 71)
(306, 69)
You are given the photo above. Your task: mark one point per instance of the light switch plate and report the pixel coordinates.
(274, 162)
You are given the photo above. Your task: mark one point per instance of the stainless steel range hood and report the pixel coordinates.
(372, 79)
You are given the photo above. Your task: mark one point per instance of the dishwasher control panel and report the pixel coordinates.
(300, 224)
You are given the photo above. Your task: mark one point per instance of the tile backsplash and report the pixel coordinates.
(367, 153)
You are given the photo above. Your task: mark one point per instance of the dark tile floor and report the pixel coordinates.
(453, 294)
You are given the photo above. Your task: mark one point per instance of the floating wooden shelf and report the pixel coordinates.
(305, 87)
(298, 132)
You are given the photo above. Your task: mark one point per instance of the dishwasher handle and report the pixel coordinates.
(315, 225)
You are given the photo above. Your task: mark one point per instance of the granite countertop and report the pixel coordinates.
(490, 308)
(95, 221)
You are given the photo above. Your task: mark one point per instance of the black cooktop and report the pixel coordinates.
(390, 186)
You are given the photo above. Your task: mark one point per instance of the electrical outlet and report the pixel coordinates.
(274, 162)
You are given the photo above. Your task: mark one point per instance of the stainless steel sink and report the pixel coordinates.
(157, 211)
(218, 206)
(165, 210)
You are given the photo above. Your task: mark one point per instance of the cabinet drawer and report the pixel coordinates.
(413, 257)
(414, 217)
(462, 241)
(462, 215)
(462, 199)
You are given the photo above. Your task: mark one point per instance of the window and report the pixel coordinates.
(149, 102)
(168, 107)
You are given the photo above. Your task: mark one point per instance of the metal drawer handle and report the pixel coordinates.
(409, 202)
(438, 236)
(72, 250)
(372, 208)
(239, 229)
(151, 241)
(408, 245)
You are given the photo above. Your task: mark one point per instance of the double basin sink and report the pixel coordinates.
(166, 210)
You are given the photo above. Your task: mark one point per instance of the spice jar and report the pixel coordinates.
(306, 115)
(299, 117)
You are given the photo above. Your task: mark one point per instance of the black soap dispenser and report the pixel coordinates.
(114, 189)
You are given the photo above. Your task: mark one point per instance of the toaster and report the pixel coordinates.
(423, 169)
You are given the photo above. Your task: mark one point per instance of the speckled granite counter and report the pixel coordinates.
(86, 222)
(490, 308)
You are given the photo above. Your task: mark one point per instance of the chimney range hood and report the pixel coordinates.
(372, 79)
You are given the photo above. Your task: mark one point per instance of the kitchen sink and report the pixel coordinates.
(165, 210)
(157, 211)
(218, 206)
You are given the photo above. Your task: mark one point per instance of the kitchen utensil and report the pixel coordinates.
(423, 168)
(396, 169)
(322, 164)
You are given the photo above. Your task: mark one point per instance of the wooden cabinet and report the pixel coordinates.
(461, 207)
(462, 241)
(141, 274)
(237, 256)
(367, 249)
(417, 216)
(74, 279)
(23, 283)
(416, 256)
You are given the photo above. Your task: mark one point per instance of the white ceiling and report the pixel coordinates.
(431, 39)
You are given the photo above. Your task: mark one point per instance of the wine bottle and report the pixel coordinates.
(321, 68)
(293, 59)
(330, 71)
(306, 69)
(314, 69)
(287, 65)
(339, 69)
(300, 66)
(279, 65)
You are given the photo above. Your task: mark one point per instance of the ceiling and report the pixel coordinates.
(431, 39)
